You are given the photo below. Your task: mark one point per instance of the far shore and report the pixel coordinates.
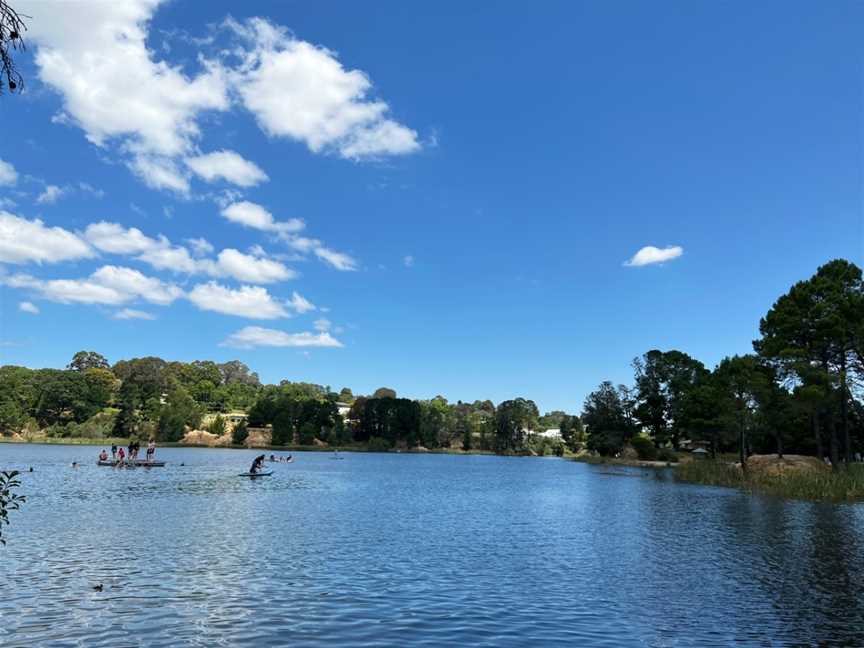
(108, 442)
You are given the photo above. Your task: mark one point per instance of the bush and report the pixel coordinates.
(667, 454)
(377, 444)
(644, 448)
(240, 433)
(217, 426)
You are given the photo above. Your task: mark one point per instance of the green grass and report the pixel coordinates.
(844, 485)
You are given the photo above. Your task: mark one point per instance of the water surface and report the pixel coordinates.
(429, 550)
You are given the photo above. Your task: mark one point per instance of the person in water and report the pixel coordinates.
(151, 450)
(114, 452)
(121, 453)
(257, 465)
(272, 457)
(103, 456)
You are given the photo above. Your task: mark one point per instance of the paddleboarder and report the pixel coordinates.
(257, 465)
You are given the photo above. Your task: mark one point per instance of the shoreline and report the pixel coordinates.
(47, 441)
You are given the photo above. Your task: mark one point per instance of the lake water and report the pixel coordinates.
(407, 550)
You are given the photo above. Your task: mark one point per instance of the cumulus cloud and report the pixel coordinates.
(28, 307)
(50, 195)
(251, 302)
(30, 241)
(8, 174)
(252, 215)
(200, 246)
(131, 313)
(129, 99)
(245, 267)
(107, 285)
(300, 304)
(322, 324)
(649, 255)
(226, 165)
(95, 56)
(116, 239)
(338, 260)
(163, 255)
(256, 336)
(301, 91)
(408, 261)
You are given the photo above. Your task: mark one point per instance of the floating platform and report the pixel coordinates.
(254, 475)
(138, 463)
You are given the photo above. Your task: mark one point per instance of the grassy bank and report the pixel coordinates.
(844, 485)
(612, 461)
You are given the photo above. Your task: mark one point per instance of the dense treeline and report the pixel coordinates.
(799, 392)
(150, 397)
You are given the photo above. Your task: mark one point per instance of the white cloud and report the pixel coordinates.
(300, 304)
(87, 188)
(251, 302)
(159, 173)
(108, 285)
(256, 336)
(129, 99)
(253, 269)
(132, 282)
(338, 260)
(28, 307)
(25, 241)
(226, 165)
(50, 195)
(408, 261)
(200, 246)
(95, 55)
(322, 324)
(300, 91)
(257, 217)
(8, 174)
(649, 255)
(131, 313)
(116, 239)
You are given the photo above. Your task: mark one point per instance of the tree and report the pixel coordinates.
(240, 433)
(814, 335)
(572, 432)
(180, 411)
(607, 416)
(346, 396)
(11, 29)
(235, 372)
(513, 418)
(663, 380)
(9, 501)
(384, 392)
(740, 381)
(217, 426)
(84, 360)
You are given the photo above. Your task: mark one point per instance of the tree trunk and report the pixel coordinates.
(779, 444)
(817, 433)
(844, 414)
(832, 439)
(742, 442)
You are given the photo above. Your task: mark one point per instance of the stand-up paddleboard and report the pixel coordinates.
(258, 474)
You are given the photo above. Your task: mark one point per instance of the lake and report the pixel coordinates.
(409, 549)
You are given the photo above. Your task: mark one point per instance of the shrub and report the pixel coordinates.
(667, 454)
(217, 426)
(240, 433)
(377, 444)
(644, 448)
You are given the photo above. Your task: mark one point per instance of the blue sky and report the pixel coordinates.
(470, 181)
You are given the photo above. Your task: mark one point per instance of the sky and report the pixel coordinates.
(465, 199)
